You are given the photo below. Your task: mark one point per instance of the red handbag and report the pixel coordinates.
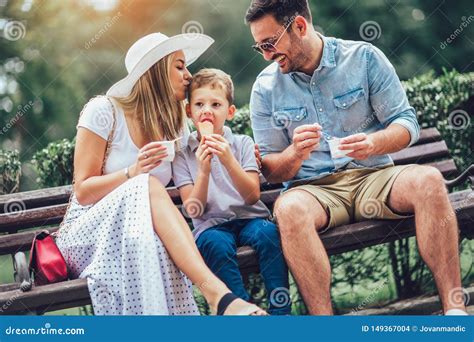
(46, 261)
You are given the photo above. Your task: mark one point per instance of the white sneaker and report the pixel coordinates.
(456, 312)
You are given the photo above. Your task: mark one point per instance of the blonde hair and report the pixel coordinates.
(214, 78)
(153, 100)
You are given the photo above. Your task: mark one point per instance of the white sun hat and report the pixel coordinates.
(148, 50)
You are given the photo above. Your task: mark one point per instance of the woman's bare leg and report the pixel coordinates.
(174, 232)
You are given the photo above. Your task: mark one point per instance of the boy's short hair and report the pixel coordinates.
(214, 78)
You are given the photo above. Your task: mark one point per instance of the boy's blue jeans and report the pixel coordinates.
(218, 246)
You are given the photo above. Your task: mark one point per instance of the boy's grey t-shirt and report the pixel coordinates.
(224, 203)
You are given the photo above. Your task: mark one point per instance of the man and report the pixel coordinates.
(319, 88)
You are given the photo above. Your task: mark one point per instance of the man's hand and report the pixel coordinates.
(361, 144)
(306, 139)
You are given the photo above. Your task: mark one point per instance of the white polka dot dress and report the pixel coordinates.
(128, 270)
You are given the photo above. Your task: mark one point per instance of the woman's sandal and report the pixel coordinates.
(228, 298)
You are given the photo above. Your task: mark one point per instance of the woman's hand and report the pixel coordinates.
(149, 157)
(220, 147)
(204, 156)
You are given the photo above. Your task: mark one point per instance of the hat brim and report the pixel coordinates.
(193, 46)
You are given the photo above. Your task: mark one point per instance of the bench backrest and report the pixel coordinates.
(47, 206)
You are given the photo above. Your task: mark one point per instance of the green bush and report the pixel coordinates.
(10, 171)
(241, 122)
(442, 102)
(54, 164)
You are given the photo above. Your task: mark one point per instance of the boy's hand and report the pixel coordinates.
(204, 157)
(219, 146)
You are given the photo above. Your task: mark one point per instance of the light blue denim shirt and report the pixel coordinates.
(355, 89)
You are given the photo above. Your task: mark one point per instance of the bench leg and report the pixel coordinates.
(22, 272)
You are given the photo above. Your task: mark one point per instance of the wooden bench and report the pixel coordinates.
(44, 209)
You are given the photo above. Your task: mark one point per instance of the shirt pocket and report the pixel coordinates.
(290, 118)
(352, 109)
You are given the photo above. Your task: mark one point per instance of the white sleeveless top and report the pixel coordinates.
(97, 117)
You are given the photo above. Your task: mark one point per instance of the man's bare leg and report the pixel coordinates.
(299, 216)
(421, 190)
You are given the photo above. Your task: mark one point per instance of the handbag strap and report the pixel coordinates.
(106, 154)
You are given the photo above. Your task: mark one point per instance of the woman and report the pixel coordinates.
(122, 231)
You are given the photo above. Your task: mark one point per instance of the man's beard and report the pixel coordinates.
(297, 59)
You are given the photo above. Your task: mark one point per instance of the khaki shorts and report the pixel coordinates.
(356, 194)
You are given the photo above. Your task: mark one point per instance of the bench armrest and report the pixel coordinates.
(467, 174)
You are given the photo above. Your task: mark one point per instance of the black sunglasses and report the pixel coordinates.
(261, 48)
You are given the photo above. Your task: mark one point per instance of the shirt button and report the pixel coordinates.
(297, 117)
(320, 109)
(344, 104)
(314, 83)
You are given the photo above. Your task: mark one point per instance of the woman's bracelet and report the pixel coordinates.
(127, 173)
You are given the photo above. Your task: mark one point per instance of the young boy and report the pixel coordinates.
(217, 177)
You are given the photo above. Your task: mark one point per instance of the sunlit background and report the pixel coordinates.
(60, 53)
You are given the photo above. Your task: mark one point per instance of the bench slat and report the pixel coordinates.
(52, 196)
(428, 135)
(45, 297)
(37, 217)
(421, 153)
(447, 167)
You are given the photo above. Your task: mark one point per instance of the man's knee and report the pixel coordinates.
(428, 183)
(296, 210)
